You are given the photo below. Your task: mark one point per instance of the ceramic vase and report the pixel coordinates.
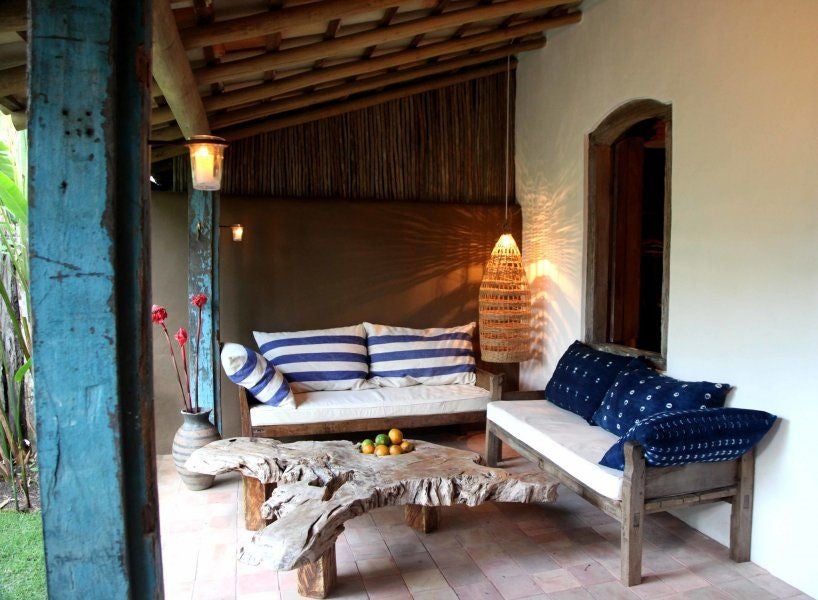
(196, 431)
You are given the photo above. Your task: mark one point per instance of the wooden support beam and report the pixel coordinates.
(317, 579)
(13, 16)
(380, 35)
(171, 70)
(340, 108)
(267, 109)
(203, 278)
(90, 285)
(372, 65)
(279, 20)
(13, 81)
(19, 118)
(424, 519)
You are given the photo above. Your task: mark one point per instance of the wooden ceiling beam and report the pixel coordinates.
(173, 75)
(13, 81)
(293, 83)
(13, 16)
(344, 90)
(373, 37)
(385, 21)
(387, 61)
(279, 20)
(334, 110)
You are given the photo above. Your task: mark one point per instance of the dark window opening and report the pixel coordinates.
(626, 288)
(637, 252)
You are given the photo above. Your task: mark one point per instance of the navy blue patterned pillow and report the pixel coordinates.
(641, 392)
(582, 377)
(679, 437)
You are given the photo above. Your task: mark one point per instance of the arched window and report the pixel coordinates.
(629, 230)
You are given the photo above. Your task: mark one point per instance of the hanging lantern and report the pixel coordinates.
(505, 299)
(505, 306)
(206, 155)
(238, 232)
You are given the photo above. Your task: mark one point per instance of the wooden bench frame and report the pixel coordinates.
(647, 489)
(255, 493)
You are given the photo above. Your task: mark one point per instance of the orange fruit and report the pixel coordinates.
(368, 448)
(407, 446)
(381, 450)
(395, 436)
(394, 449)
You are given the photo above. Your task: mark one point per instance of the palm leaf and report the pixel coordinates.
(6, 161)
(12, 199)
(21, 372)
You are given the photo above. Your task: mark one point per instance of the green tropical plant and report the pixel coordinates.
(15, 449)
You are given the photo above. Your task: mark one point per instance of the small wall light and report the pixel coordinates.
(237, 231)
(206, 155)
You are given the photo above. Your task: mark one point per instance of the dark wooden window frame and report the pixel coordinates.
(599, 211)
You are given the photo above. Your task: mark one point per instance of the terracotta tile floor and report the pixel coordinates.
(566, 550)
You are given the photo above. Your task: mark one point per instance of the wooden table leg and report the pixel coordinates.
(316, 579)
(421, 518)
(255, 493)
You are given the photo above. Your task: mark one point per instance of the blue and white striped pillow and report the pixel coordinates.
(400, 357)
(321, 359)
(248, 369)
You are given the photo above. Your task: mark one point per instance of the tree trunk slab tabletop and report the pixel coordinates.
(321, 485)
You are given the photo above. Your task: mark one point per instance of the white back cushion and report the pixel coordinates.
(318, 359)
(400, 356)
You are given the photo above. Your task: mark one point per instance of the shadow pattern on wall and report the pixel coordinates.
(552, 249)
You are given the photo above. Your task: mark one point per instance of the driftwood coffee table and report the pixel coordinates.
(321, 485)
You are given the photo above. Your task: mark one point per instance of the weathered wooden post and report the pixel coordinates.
(203, 278)
(90, 272)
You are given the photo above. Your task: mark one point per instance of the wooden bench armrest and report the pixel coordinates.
(246, 401)
(493, 382)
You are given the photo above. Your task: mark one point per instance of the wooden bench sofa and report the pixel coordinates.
(321, 413)
(643, 489)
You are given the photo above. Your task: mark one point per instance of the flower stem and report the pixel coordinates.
(187, 373)
(176, 368)
(198, 351)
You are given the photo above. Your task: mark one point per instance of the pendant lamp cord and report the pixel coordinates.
(508, 125)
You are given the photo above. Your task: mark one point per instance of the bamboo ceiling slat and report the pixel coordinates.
(445, 145)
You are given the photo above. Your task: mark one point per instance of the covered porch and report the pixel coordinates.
(652, 165)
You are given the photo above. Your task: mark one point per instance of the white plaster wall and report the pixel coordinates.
(742, 76)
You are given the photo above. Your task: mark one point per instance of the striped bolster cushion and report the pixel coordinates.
(245, 367)
(400, 357)
(321, 359)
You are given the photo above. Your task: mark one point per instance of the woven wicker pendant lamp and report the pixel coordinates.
(505, 298)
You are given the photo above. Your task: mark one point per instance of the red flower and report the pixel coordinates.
(181, 336)
(199, 300)
(158, 314)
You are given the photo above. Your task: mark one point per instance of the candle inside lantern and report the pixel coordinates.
(206, 154)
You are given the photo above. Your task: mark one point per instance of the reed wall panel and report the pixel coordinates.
(445, 145)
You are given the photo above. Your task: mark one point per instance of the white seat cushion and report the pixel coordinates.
(562, 437)
(319, 407)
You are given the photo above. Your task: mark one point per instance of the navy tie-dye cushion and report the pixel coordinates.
(679, 437)
(640, 392)
(582, 377)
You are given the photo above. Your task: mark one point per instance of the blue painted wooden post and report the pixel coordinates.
(203, 278)
(90, 274)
